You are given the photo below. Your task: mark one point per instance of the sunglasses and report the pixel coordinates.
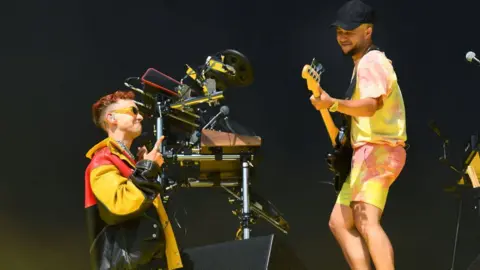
(129, 110)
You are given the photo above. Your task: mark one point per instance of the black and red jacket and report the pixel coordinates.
(127, 223)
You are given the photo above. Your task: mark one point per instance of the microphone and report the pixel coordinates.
(471, 56)
(224, 110)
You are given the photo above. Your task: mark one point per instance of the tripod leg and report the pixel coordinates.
(459, 215)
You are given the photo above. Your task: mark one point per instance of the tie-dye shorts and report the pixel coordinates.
(374, 169)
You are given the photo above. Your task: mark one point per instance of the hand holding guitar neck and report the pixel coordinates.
(311, 73)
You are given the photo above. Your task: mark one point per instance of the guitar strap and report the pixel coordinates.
(348, 95)
(351, 88)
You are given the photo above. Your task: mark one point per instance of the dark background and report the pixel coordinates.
(59, 57)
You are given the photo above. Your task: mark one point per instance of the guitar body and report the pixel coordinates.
(340, 159)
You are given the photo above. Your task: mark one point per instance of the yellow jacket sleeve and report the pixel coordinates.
(118, 198)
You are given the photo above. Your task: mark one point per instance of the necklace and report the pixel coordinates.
(126, 150)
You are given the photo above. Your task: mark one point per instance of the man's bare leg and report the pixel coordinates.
(353, 246)
(367, 220)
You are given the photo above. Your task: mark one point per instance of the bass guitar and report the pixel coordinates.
(340, 159)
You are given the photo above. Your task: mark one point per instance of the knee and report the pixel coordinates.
(333, 224)
(337, 224)
(367, 220)
(366, 228)
(341, 219)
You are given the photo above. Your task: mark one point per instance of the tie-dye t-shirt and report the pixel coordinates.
(376, 78)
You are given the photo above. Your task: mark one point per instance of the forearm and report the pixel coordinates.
(121, 198)
(145, 178)
(362, 107)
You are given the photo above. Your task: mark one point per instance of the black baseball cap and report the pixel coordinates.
(352, 14)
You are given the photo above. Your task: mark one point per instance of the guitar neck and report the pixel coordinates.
(330, 125)
(313, 84)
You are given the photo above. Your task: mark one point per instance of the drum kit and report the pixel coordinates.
(202, 146)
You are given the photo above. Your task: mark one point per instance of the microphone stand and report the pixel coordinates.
(459, 216)
(444, 159)
(160, 111)
(159, 130)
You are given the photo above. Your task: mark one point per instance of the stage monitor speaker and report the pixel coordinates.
(256, 253)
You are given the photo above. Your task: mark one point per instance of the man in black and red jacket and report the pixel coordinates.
(128, 224)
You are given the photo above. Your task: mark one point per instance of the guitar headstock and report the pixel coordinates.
(311, 73)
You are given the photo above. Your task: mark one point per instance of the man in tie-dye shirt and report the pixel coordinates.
(378, 135)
